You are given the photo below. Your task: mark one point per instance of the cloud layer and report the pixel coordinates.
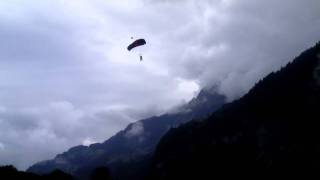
(66, 77)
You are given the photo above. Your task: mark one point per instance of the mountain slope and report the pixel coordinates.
(130, 150)
(272, 131)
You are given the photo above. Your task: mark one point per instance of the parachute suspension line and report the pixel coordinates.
(136, 43)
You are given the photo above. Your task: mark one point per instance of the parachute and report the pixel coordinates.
(136, 43)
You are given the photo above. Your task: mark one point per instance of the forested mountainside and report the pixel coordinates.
(272, 131)
(127, 154)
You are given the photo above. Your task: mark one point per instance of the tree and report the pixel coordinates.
(101, 173)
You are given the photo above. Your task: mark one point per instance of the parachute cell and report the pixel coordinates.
(136, 43)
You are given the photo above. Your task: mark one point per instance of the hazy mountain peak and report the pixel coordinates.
(133, 144)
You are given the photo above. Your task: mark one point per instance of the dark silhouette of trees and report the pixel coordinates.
(101, 173)
(10, 172)
(271, 132)
(57, 175)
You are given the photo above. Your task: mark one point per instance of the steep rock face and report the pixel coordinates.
(129, 151)
(273, 131)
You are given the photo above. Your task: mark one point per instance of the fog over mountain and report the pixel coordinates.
(66, 77)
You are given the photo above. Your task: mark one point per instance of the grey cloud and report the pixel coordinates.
(243, 41)
(66, 77)
(136, 129)
(34, 134)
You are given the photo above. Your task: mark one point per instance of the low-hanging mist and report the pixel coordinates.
(66, 77)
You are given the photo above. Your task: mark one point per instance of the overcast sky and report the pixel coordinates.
(66, 77)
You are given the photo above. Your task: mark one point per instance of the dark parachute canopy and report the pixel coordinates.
(136, 43)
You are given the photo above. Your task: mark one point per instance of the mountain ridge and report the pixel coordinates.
(134, 144)
(272, 131)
